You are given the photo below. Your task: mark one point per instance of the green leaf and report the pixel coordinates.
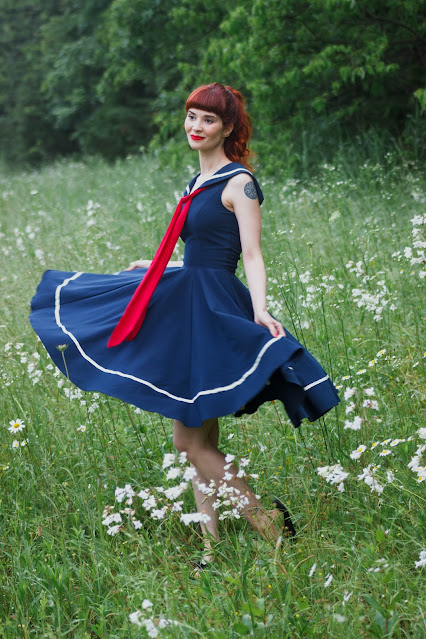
(375, 604)
(380, 535)
(241, 629)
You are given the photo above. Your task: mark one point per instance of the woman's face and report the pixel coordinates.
(205, 130)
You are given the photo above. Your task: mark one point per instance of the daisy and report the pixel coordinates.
(356, 454)
(15, 444)
(16, 425)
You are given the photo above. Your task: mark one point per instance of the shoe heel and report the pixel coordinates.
(288, 524)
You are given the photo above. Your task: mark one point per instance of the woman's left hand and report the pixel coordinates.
(263, 318)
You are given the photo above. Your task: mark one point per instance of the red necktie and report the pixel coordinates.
(134, 315)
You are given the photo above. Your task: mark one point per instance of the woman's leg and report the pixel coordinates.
(202, 452)
(204, 502)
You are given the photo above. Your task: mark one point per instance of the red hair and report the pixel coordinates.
(228, 104)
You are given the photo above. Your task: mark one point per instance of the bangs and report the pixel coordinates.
(208, 98)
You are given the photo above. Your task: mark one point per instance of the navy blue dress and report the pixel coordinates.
(199, 353)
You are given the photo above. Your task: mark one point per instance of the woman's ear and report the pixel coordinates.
(228, 130)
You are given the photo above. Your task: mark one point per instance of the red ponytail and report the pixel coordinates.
(228, 104)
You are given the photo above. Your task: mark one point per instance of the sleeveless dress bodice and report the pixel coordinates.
(199, 353)
(211, 232)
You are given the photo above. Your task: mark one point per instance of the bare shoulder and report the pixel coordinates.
(239, 186)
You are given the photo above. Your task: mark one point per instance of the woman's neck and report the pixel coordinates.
(211, 163)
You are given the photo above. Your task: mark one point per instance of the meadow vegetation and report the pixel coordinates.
(344, 252)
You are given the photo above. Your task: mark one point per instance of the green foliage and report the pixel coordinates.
(108, 76)
(314, 66)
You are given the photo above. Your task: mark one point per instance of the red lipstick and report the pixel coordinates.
(196, 137)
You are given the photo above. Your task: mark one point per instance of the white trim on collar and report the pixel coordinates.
(219, 175)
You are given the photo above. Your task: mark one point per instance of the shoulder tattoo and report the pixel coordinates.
(250, 191)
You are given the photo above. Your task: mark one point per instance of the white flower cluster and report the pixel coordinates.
(422, 560)
(415, 254)
(156, 501)
(374, 300)
(314, 292)
(369, 402)
(415, 464)
(333, 475)
(91, 209)
(370, 474)
(379, 566)
(19, 356)
(151, 624)
(160, 501)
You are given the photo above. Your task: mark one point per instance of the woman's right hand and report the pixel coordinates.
(138, 264)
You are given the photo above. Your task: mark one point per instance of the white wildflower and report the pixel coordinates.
(355, 424)
(121, 493)
(16, 425)
(328, 580)
(188, 518)
(173, 473)
(312, 570)
(422, 560)
(369, 391)
(349, 392)
(189, 473)
(169, 459)
(370, 403)
(333, 474)
(174, 492)
(114, 530)
(146, 603)
(229, 458)
(422, 433)
(159, 513)
(134, 617)
(368, 476)
(356, 454)
(149, 503)
(113, 517)
(143, 494)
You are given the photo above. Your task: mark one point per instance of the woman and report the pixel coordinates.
(195, 344)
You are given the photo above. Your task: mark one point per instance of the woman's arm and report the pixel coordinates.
(240, 196)
(147, 264)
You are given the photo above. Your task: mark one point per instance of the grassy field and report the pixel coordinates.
(344, 258)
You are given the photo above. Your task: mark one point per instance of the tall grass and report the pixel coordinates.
(343, 281)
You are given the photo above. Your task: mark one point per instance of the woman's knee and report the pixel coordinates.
(181, 438)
